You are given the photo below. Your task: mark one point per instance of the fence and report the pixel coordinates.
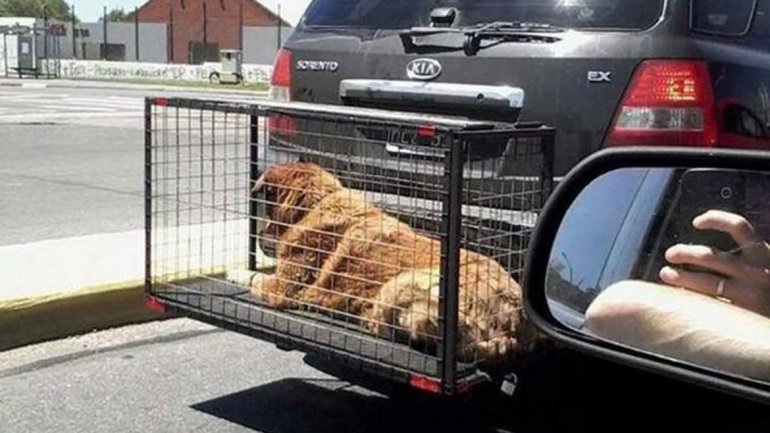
(143, 43)
(27, 47)
(168, 42)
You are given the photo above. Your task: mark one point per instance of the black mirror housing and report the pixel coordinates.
(536, 301)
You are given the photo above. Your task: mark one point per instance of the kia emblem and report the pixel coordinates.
(423, 69)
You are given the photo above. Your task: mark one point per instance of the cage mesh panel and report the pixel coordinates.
(204, 215)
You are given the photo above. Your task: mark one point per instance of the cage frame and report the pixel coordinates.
(443, 377)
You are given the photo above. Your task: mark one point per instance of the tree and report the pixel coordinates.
(57, 9)
(115, 15)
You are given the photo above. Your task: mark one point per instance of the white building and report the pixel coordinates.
(19, 46)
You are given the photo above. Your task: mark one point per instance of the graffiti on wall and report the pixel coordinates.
(154, 71)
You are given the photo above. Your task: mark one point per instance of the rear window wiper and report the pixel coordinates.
(518, 26)
(496, 27)
(473, 35)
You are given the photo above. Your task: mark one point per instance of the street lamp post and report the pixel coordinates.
(280, 22)
(5, 53)
(136, 32)
(45, 40)
(104, 31)
(205, 34)
(74, 33)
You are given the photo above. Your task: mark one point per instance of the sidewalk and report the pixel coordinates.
(62, 287)
(103, 84)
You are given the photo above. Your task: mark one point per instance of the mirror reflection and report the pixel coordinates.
(674, 262)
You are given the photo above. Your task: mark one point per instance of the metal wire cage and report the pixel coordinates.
(389, 241)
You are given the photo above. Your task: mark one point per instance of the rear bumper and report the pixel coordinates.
(502, 103)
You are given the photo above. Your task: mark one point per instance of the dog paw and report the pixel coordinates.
(241, 277)
(259, 286)
(370, 320)
(419, 326)
(497, 348)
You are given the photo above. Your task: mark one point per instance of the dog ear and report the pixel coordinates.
(302, 187)
(297, 193)
(289, 191)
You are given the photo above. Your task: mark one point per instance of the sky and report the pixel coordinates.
(91, 10)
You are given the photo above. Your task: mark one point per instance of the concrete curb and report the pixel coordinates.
(39, 319)
(58, 288)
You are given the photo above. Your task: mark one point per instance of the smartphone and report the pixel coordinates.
(691, 193)
(701, 190)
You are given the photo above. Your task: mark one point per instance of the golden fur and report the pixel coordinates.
(337, 251)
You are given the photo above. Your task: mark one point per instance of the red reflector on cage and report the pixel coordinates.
(426, 384)
(281, 125)
(426, 131)
(153, 304)
(161, 102)
(463, 387)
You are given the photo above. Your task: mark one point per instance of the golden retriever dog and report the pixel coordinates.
(339, 253)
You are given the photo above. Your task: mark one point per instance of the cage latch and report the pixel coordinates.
(509, 385)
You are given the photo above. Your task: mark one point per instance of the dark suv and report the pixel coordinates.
(602, 72)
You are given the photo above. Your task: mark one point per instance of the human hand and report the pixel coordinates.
(742, 276)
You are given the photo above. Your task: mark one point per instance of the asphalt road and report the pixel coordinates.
(167, 377)
(183, 376)
(71, 161)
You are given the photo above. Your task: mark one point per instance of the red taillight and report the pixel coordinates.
(280, 82)
(669, 102)
(280, 90)
(153, 304)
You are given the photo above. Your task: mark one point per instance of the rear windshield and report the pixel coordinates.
(399, 14)
(730, 17)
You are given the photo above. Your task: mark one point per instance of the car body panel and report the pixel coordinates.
(574, 84)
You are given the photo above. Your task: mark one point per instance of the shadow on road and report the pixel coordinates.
(330, 406)
(567, 392)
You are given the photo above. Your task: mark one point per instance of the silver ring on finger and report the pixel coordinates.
(721, 291)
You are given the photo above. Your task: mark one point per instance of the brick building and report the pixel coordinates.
(198, 29)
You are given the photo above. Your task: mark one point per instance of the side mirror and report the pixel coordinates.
(658, 258)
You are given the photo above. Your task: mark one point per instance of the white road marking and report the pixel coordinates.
(33, 106)
(20, 107)
(119, 103)
(74, 107)
(43, 117)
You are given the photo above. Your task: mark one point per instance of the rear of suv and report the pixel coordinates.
(601, 72)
